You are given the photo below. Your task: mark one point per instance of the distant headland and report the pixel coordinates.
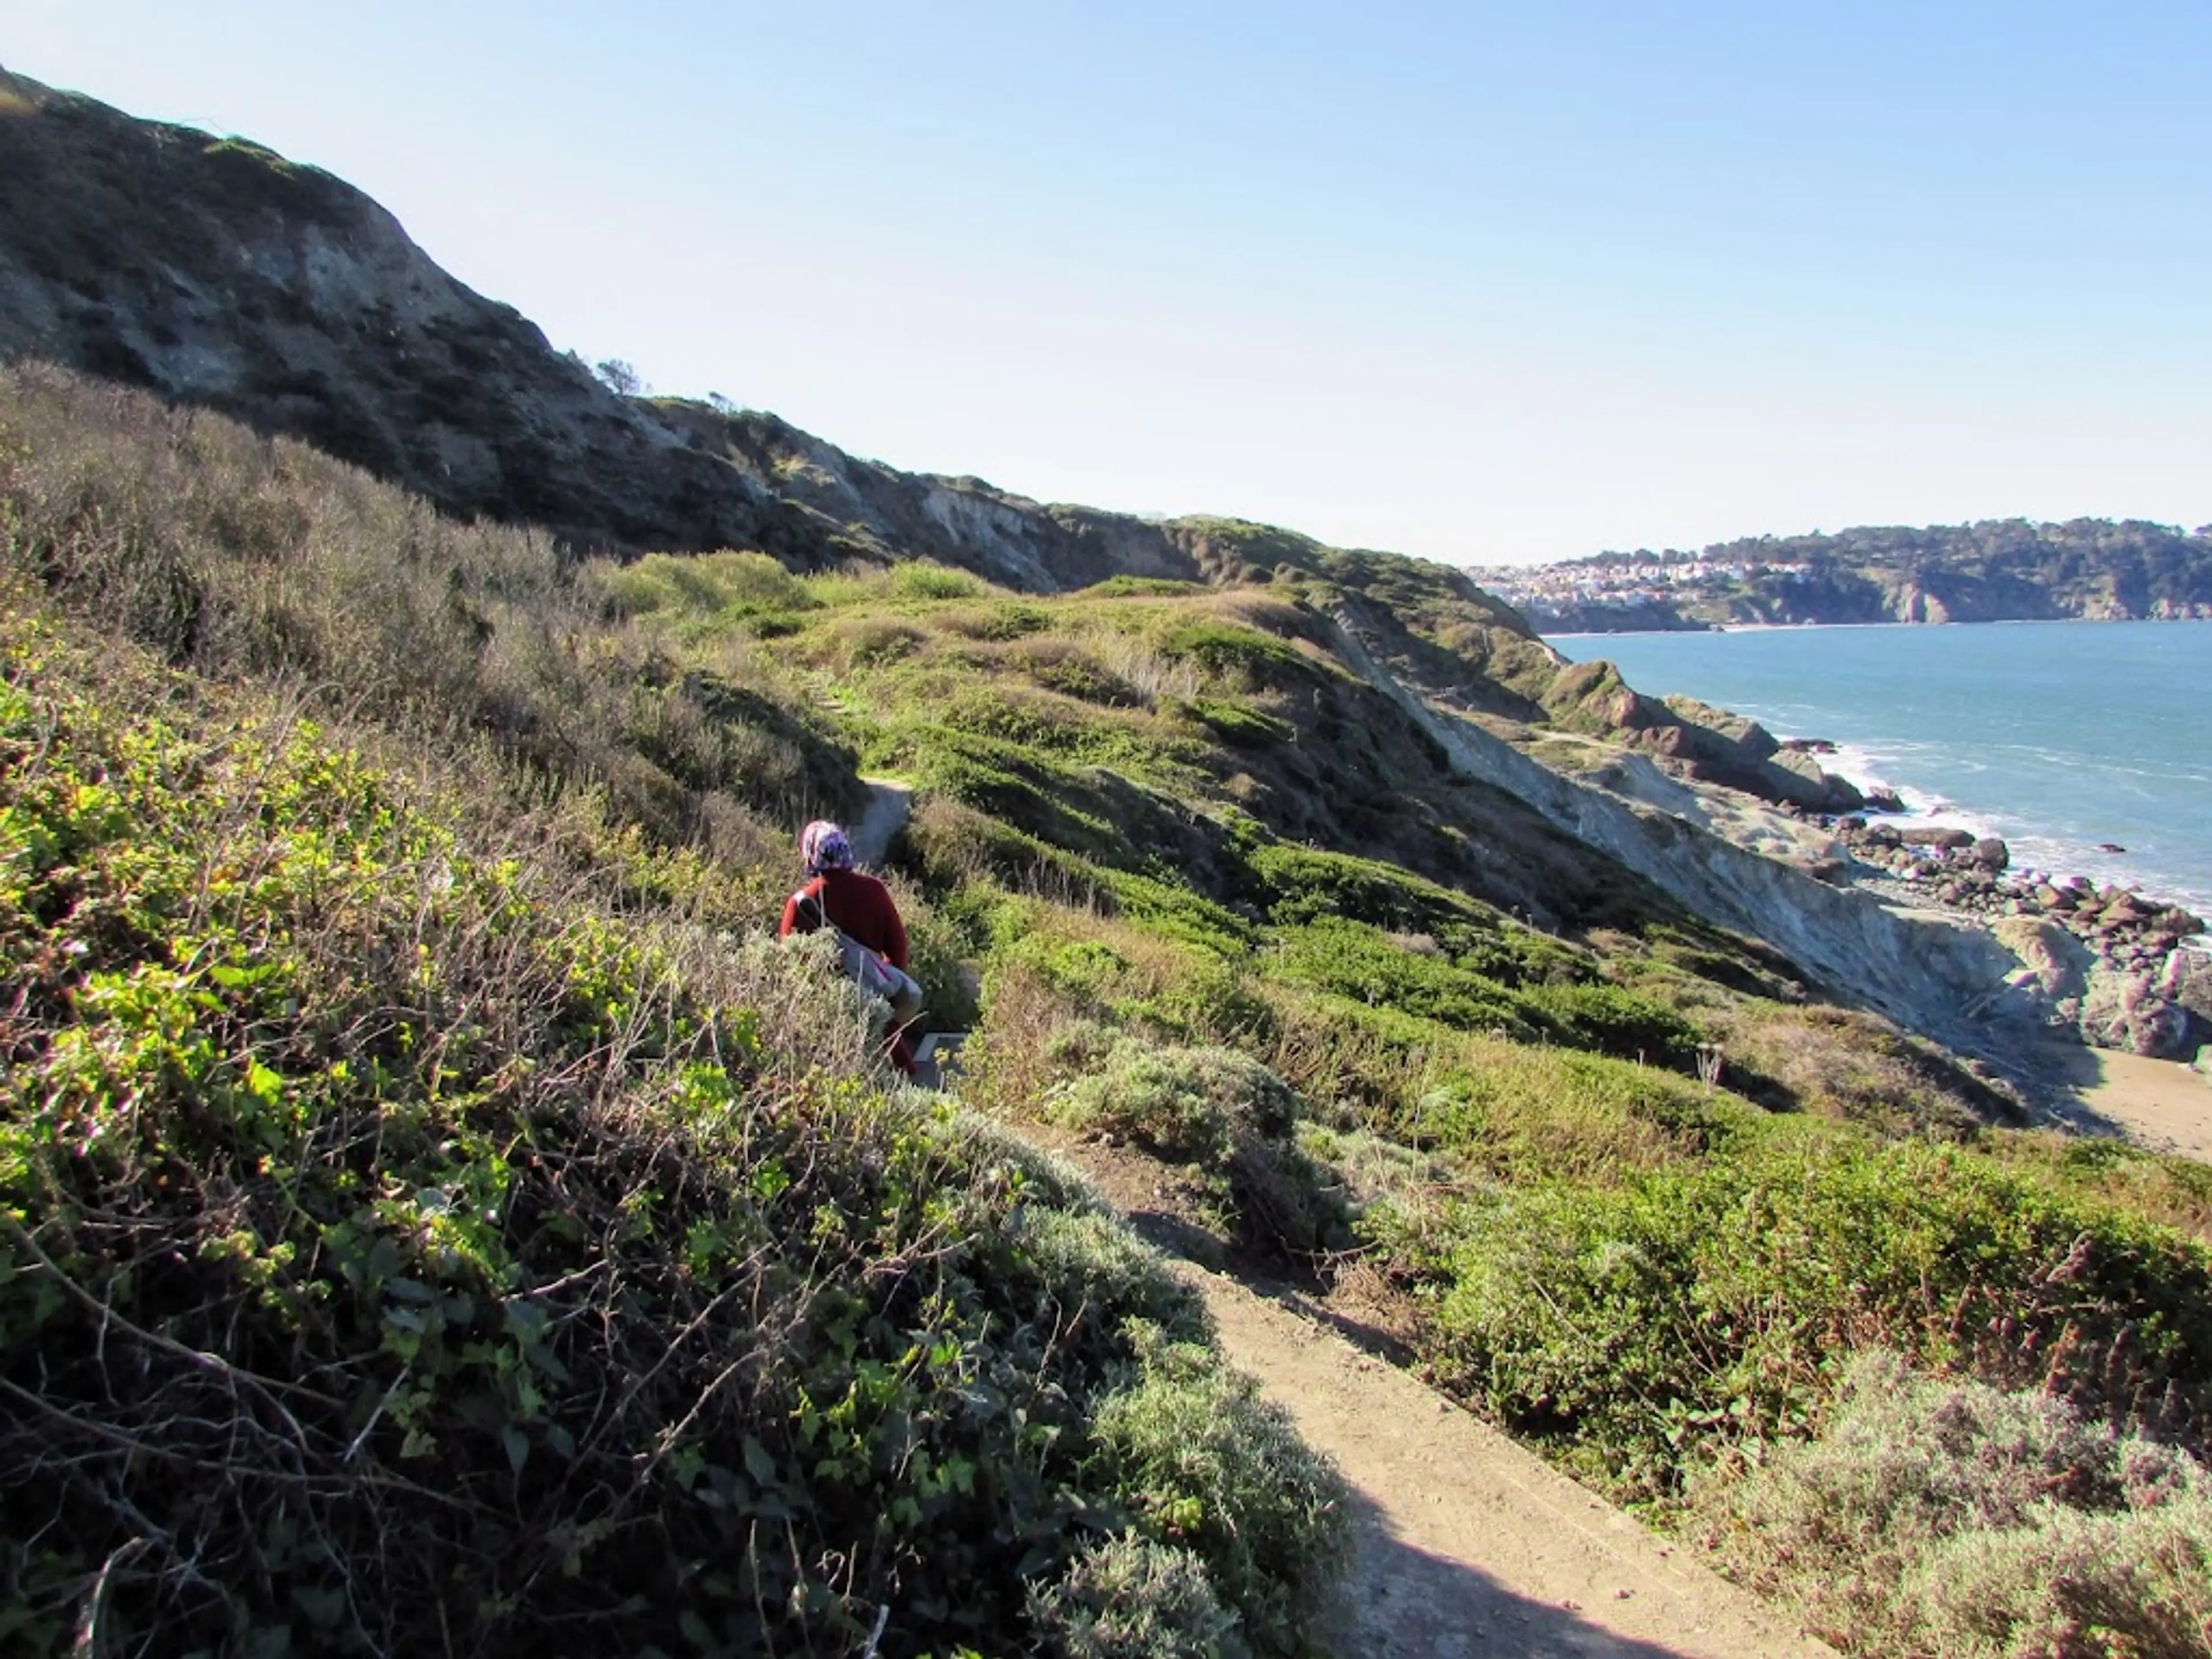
(1994, 570)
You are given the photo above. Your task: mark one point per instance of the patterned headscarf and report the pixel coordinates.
(823, 846)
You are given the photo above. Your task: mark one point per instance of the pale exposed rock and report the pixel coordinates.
(2054, 966)
(1931, 973)
(2124, 1009)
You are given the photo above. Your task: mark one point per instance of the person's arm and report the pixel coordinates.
(894, 934)
(790, 918)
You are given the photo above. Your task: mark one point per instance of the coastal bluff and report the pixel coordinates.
(1994, 570)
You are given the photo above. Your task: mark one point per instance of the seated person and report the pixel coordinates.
(861, 910)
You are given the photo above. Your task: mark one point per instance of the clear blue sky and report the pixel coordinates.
(1483, 282)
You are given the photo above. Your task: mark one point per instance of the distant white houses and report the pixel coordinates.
(1635, 579)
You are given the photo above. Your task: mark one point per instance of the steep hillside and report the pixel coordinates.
(2000, 570)
(219, 274)
(420, 1225)
(1209, 878)
(394, 793)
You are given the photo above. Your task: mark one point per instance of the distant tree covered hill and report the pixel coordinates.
(1996, 570)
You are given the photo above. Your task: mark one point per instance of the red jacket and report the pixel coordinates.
(859, 907)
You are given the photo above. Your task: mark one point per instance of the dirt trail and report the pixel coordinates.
(1464, 1544)
(884, 815)
(1467, 1544)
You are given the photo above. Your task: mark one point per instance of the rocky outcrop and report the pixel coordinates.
(1696, 741)
(2119, 970)
(218, 273)
(1941, 977)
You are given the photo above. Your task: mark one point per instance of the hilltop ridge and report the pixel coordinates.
(218, 274)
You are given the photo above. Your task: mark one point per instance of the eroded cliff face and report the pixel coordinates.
(218, 273)
(1942, 978)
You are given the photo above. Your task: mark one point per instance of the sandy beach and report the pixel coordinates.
(2162, 1104)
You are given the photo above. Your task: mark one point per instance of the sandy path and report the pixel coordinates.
(1464, 1544)
(2160, 1105)
(1467, 1544)
(884, 815)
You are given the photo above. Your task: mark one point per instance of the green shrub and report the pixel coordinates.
(726, 586)
(1235, 654)
(1188, 1104)
(1536, 1114)
(1077, 673)
(1312, 884)
(1009, 619)
(1172, 909)
(1949, 1517)
(1210, 1000)
(1217, 1110)
(871, 642)
(1642, 1329)
(1026, 792)
(1239, 723)
(1130, 588)
(939, 958)
(1132, 1598)
(515, 1246)
(918, 579)
(1096, 1268)
(1612, 1021)
(1357, 962)
(1222, 1473)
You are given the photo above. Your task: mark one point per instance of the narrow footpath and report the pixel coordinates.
(1466, 1545)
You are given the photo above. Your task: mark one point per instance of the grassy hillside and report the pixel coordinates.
(304, 1026)
(432, 1213)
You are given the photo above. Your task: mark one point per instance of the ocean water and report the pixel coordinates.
(2058, 736)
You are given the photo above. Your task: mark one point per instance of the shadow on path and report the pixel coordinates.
(1402, 1602)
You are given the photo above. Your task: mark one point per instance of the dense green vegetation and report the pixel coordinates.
(1955, 1518)
(429, 1216)
(467, 999)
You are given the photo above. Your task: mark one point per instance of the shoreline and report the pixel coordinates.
(2129, 812)
(1798, 628)
(1922, 809)
(2160, 1105)
(2092, 983)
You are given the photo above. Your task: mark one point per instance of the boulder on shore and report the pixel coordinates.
(2125, 1010)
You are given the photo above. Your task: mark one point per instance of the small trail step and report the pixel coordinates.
(937, 1059)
